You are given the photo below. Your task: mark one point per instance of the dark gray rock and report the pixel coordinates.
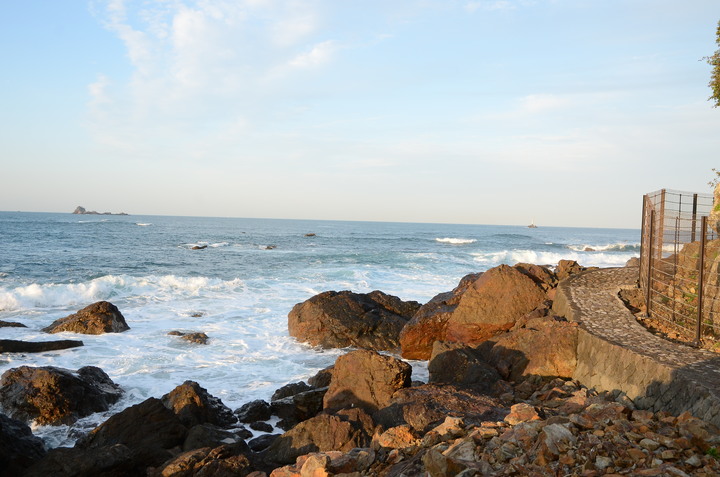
(252, 411)
(18, 346)
(19, 448)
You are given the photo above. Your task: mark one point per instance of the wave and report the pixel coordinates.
(612, 247)
(113, 287)
(552, 258)
(455, 241)
(141, 224)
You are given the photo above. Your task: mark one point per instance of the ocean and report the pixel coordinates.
(238, 289)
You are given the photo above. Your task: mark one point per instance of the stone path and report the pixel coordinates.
(686, 378)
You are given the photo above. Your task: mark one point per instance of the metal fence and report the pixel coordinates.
(679, 264)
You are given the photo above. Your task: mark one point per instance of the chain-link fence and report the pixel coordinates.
(680, 263)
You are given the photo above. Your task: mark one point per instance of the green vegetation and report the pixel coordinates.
(713, 452)
(714, 84)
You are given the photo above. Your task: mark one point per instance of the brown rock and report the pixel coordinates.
(366, 379)
(492, 304)
(424, 407)
(96, 319)
(342, 319)
(429, 324)
(192, 337)
(522, 412)
(397, 437)
(543, 347)
(226, 460)
(149, 429)
(567, 268)
(321, 433)
(11, 324)
(55, 396)
(193, 405)
(456, 363)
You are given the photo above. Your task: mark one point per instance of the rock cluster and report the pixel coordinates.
(500, 401)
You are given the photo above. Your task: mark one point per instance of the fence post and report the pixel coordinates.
(648, 290)
(643, 252)
(694, 218)
(701, 279)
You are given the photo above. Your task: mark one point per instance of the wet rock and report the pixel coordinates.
(252, 411)
(341, 319)
(18, 346)
(208, 435)
(262, 442)
(11, 324)
(194, 405)
(148, 429)
(366, 379)
(19, 448)
(261, 426)
(53, 396)
(191, 337)
(98, 318)
(290, 390)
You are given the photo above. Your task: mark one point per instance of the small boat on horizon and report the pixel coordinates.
(532, 224)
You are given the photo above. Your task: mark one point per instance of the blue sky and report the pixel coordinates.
(459, 111)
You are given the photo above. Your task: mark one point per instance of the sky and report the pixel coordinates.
(564, 112)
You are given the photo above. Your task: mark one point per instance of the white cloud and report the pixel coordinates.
(537, 103)
(98, 91)
(319, 54)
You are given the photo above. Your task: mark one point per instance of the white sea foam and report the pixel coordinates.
(612, 247)
(141, 224)
(455, 241)
(490, 259)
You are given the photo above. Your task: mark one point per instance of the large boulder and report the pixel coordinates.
(455, 363)
(298, 407)
(366, 379)
(19, 449)
(341, 319)
(429, 324)
(148, 429)
(492, 304)
(18, 346)
(423, 407)
(324, 432)
(96, 319)
(194, 405)
(51, 395)
(544, 346)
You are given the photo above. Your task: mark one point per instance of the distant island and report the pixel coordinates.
(81, 210)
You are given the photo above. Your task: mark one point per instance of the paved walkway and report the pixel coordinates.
(591, 298)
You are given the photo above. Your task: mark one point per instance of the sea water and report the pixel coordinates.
(238, 289)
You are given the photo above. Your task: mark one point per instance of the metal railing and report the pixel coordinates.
(680, 263)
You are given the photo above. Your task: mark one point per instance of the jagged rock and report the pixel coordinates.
(226, 460)
(321, 433)
(544, 346)
(568, 268)
(51, 395)
(290, 390)
(322, 378)
(262, 442)
(298, 407)
(194, 405)
(261, 426)
(341, 319)
(429, 323)
(19, 448)
(366, 379)
(458, 364)
(252, 411)
(209, 435)
(98, 318)
(17, 346)
(423, 407)
(483, 305)
(149, 429)
(493, 303)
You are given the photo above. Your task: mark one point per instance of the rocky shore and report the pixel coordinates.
(500, 400)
